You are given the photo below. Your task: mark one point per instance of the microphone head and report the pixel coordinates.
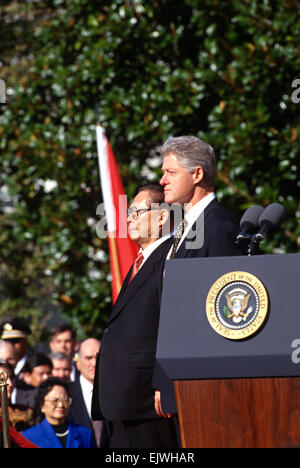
(272, 216)
(251, 217)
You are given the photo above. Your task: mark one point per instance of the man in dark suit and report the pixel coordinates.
(208, 229)
(82, 389)
(123, 390)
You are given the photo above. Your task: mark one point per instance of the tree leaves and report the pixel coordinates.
(146, 70)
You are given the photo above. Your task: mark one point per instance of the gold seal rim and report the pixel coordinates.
(253, 282)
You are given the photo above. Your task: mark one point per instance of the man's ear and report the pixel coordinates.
(163, 216)
(198, 174)
(165, 224)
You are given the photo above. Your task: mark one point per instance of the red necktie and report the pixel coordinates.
(136, 266)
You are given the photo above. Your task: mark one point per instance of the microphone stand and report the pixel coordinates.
(249, 244)
(253, 247)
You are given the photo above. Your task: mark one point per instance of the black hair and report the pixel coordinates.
(157, 196)
(63, 327)
(38, 359)
(157, 191)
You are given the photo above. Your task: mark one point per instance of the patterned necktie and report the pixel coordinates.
(136, 266)
(178, 235)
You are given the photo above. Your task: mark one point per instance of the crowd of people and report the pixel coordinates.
(49, 394)
(113, 398)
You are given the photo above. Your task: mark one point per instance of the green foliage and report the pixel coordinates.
(146, 70)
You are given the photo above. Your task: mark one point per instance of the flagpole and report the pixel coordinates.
(105, 179)
(115, 262)
(121, 250)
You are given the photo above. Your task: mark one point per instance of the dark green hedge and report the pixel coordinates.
(220, 70)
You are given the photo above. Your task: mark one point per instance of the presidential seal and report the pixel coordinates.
(237, 305)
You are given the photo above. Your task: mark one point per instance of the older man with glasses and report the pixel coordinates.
(123, 390)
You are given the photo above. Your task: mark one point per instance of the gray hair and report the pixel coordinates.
(192, 152)
(58, 356)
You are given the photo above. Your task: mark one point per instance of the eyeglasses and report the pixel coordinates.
(135, 214)
(66, 402)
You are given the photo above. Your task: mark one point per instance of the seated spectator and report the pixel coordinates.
(62, 366)
(37, 369)
(82, 391)
(56, 431)
(63, 340)
(20, 416)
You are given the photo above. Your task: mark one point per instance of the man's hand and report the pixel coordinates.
(158, 407)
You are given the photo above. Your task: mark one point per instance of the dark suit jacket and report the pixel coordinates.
(26, 394)
(123, 382)
(218, 232)
(79, 414)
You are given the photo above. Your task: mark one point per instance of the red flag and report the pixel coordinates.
(122, 250)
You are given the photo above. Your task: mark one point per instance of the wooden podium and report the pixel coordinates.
(243, 413)
(232, 393)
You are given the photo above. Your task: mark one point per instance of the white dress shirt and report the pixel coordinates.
(19, 366)
(148, 250)
(87, 392)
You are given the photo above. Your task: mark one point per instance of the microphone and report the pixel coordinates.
(249, 223)
(271, 218)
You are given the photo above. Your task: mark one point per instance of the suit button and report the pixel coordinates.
(106, 330)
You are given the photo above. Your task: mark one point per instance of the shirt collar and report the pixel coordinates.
(150, 248)
(198, 208)
(85, 384)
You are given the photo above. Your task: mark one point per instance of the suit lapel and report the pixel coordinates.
(123, 287)
(182, 252)
(80, 409)
(128, 290)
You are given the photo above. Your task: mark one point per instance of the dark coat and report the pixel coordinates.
(79, 414)
(26, 394)
(123, 382)
(78, 411)
(218, 233)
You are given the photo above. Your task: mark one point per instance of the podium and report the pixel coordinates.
(229, 339)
